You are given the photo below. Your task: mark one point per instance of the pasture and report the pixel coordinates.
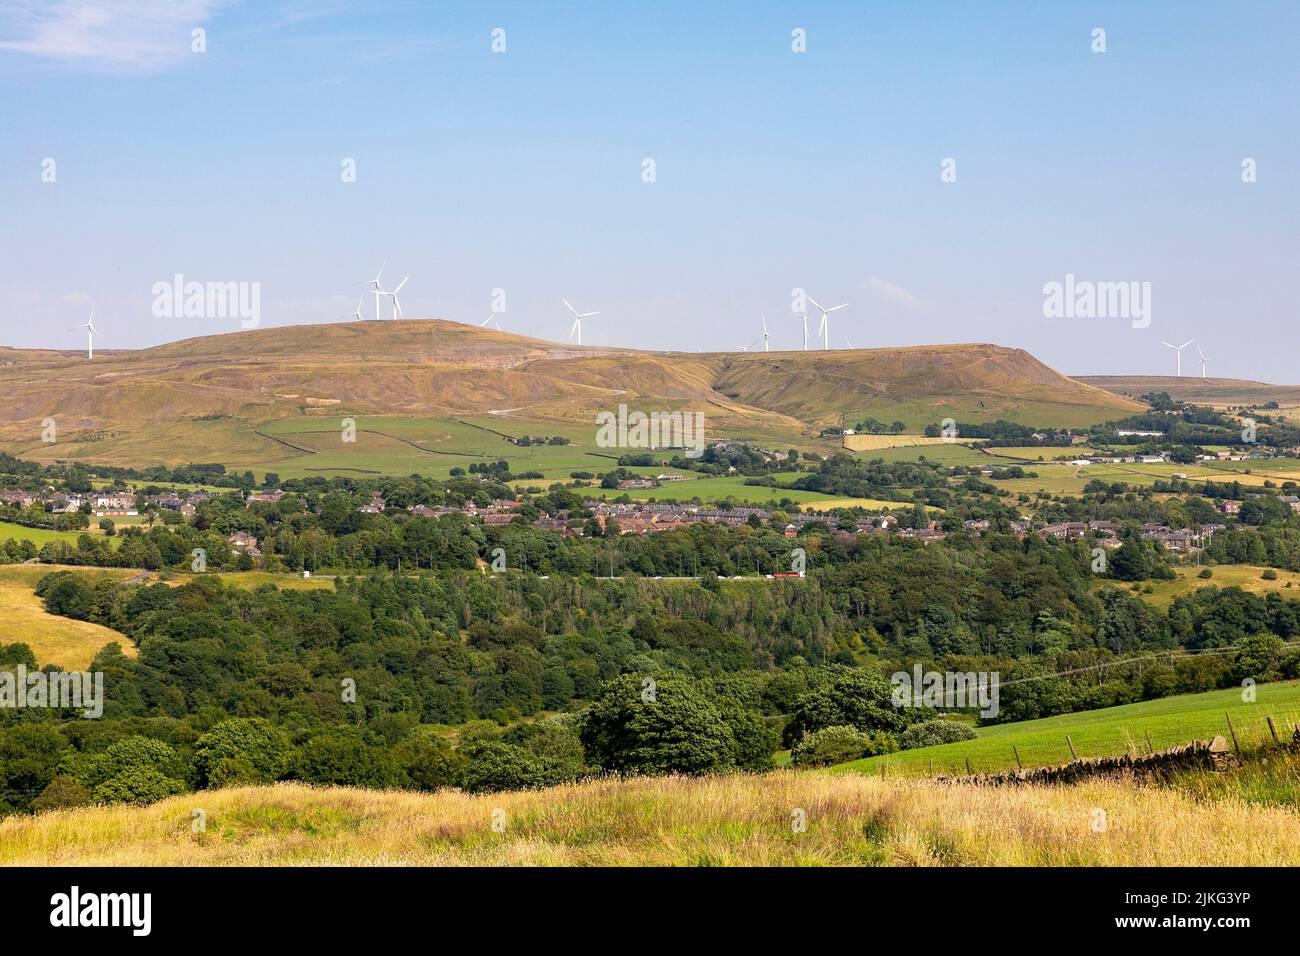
(53, 639)
(1170, 721)
(1249, 577)
(41, 536)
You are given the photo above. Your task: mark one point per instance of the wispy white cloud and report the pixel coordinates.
(135, 35)
(891, 292)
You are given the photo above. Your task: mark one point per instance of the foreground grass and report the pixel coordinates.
(1169, 721)
(673, 821)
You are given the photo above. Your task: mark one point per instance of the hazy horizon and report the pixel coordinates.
(524, 171)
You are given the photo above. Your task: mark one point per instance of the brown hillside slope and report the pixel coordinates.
(1206, 391)
(919, 385)
(172, 402)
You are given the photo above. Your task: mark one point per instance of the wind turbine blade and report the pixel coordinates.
(487, 320)
(398, 306)
(587, 315)
(1185, 344)
(576, 323)
(570, 308)
(815, 303)
(1163, 342)
(399, 285)
(838, 307)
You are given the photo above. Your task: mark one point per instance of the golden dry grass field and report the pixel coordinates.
(1248, 577)
(851, 820)
(875, 442)
(54, 640)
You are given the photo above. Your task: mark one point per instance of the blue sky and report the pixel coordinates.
(774, 170)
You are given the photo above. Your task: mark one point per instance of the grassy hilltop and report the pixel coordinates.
(243, 396)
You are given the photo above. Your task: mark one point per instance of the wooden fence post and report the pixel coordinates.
(1017, 753)
(1073, 755)
(1235, 746)
(968, 767)
(1150, 747)
(1271, 729)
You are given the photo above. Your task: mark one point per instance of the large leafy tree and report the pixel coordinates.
(664, 727)
(860, 698)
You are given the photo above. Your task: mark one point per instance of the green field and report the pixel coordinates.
(1059, 478)
(1113, 730)
(404, 445)
(41, 536)
(715, 489)
(400, 445)
(947, 455)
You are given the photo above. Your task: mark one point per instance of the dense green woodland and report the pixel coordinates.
(499, 681)
(420, 670)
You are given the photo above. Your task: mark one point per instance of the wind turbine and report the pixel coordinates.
(764, 332)
(824, 330)
(376, 288)
(577, 319)
(848, 343)
(1199, 349)
(357, 314)
(397, 306)
(1178, 350)
(804, 316)
(91, 332)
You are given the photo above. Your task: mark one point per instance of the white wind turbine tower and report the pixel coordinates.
(357, 314)
(824, 330)
(577, 319)
(1199, 349)
(764, 332)
(397, 306)
(804, 316)
(1178, 350)
(376, 288)
(91, 332)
